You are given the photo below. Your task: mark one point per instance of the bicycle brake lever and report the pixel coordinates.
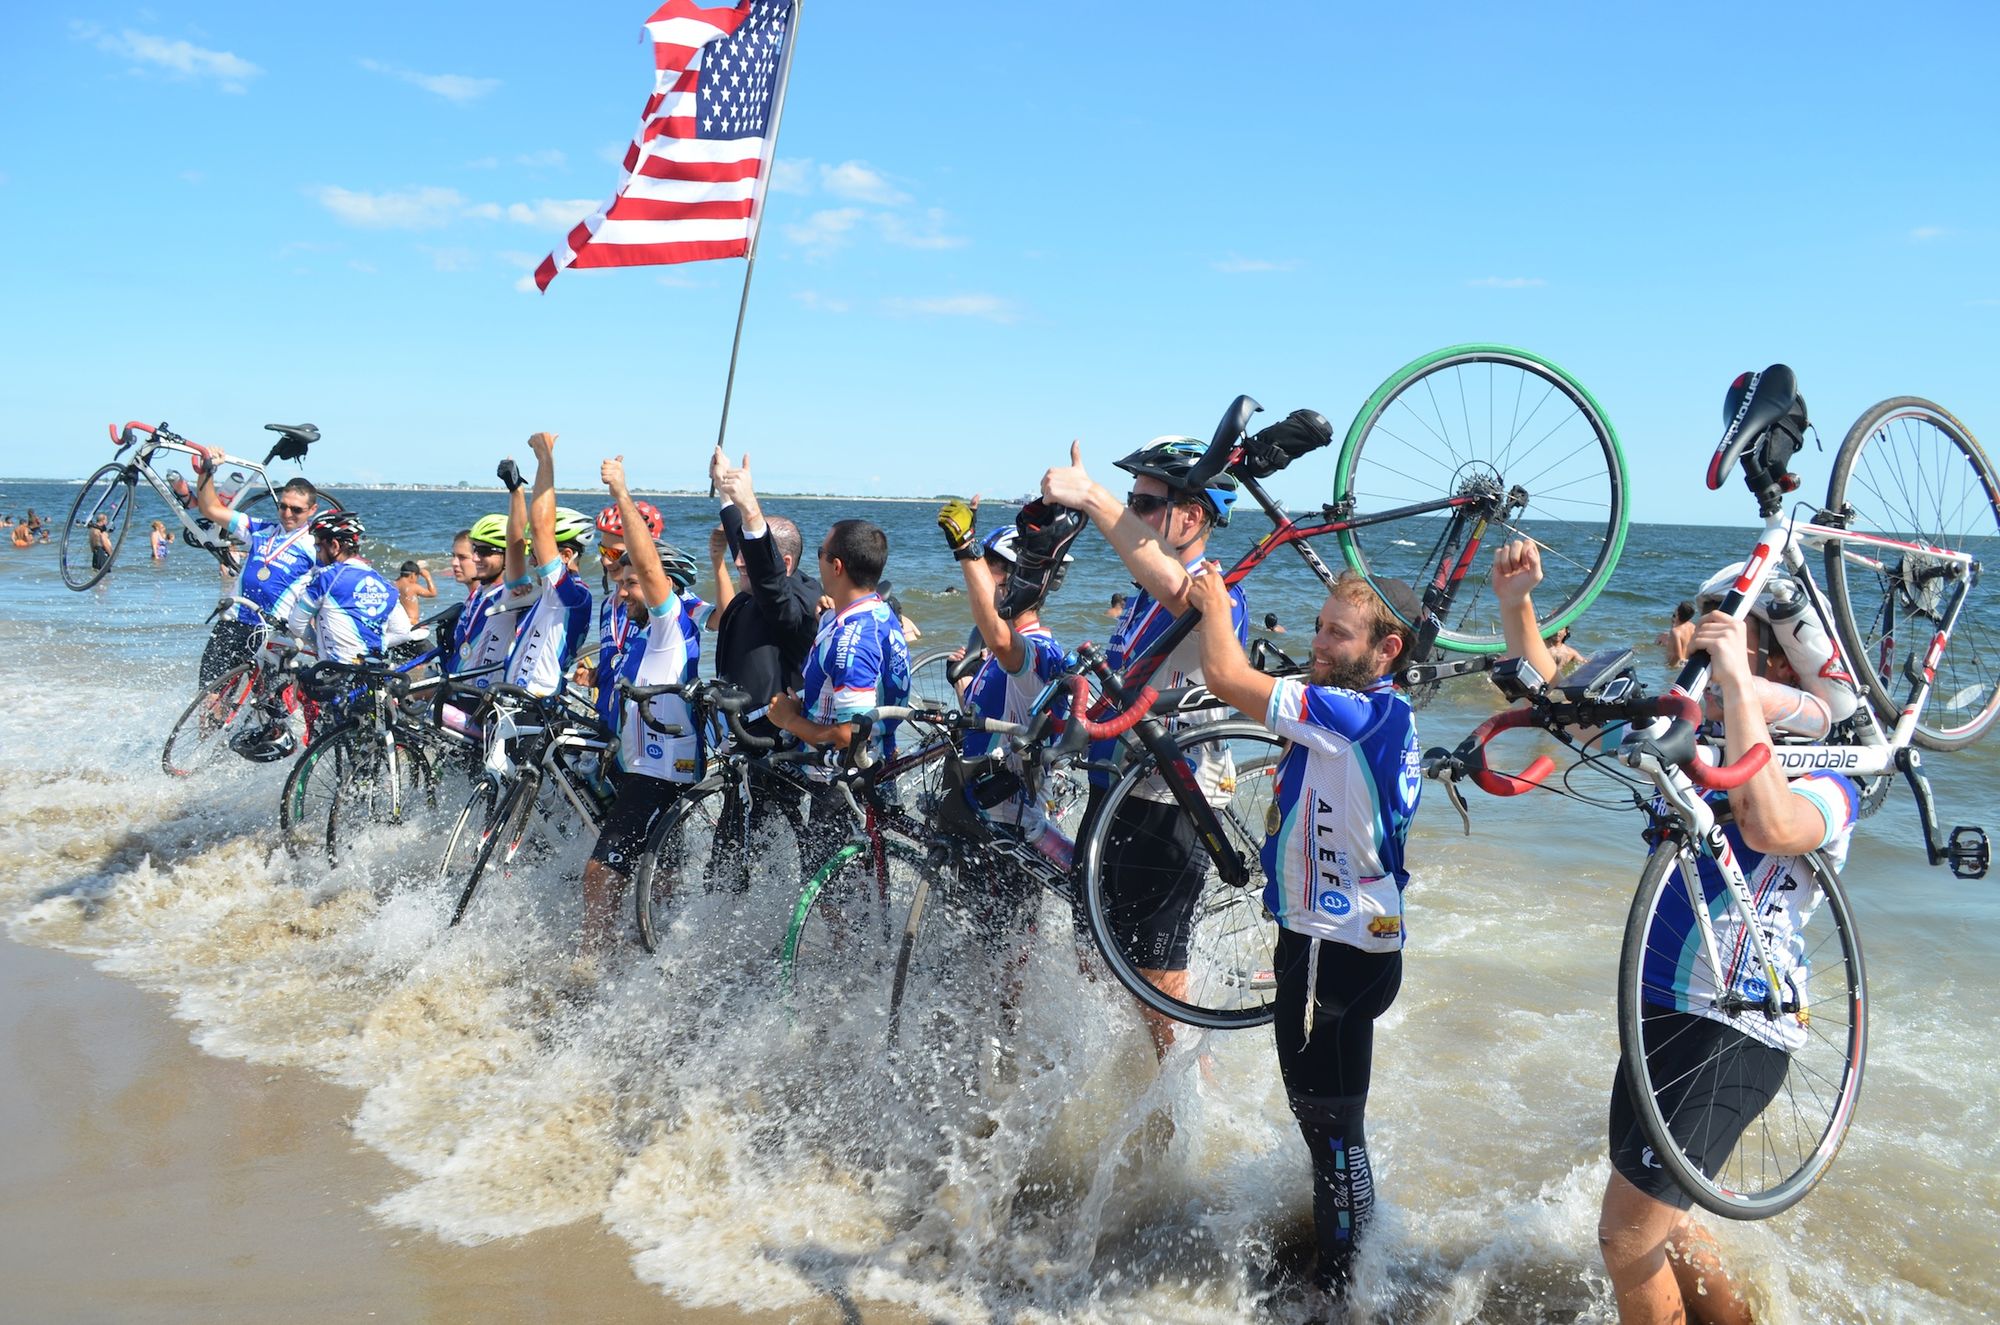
(1457, 799)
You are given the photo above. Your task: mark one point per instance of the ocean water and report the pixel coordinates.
(766, 1154)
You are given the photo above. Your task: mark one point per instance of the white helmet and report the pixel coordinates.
(1781, 605)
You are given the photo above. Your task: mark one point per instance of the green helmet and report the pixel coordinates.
(573, 526)
(490, 530)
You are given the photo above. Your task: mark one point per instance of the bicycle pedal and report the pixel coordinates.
(1967, 851)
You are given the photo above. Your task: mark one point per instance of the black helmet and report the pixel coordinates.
(265, 745)
(1171, 460)
(337, 527)
(1040, 541)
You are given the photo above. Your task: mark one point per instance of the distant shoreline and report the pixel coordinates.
(338, 486)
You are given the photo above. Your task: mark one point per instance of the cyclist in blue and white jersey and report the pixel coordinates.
(1343, 798)
(653, 766)
(859, 661)
(1022, 657)
(1664, 1266)
(277, 558)
(554, 601)
(483, 632)
(1151, 869)
(352, 609)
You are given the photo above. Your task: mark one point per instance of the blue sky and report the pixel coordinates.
(998, 228)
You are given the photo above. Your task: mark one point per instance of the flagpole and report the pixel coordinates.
(757, 211)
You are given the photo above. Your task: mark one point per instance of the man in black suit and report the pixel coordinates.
(763, 633)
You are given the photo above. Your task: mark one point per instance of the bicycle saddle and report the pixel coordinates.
(293, 439)
(1767, 423)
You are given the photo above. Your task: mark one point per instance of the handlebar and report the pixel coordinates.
(1141, 705)
(321, 678)
(1673, 746)
(730, 702)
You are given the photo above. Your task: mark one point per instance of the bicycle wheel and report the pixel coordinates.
(1225, 981)
(465, 847)
(1688, 1072)
(500, 837)
(108, 494)
(307, 802)
(223, 708)
(856, 922)
(385, 783)
(1910, 471)
(1486, 419)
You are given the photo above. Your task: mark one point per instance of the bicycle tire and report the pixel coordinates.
(310, 787)
(841, 947)
(1909, 470)
(476, 822)
(1231, 984)
(704, 836)
(507, 828)
(1563, 451)
(1789, 1145)
(205, 725)
(108, 492)
(358, 806)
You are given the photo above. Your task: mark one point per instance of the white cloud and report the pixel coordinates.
(1506, 282)
(451, 259)
(991, 308)
(549, 158)
(1923, 234)
(926, 231)
(542, 213)
(526, 285)
(788, 176)
(820, 303)
(460, 88)
(411, 209)
(825, 230)
(181, 58)
(1234, 265)
(857, 181)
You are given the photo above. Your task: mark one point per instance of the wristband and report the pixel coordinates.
(968, 551)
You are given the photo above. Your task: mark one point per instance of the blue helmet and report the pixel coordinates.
(1170, 460)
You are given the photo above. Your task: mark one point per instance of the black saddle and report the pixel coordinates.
(1766, 418)
(293, 439)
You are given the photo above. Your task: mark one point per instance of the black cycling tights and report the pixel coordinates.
(1326, 1079)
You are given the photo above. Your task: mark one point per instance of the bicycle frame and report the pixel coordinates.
(216, 541)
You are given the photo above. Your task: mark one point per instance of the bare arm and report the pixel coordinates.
(429, 587)
(1771, 819)
(542, 506)
(517, 530)
(1156, 568)
(720, 564)
(1224, 669)
(639, 548)
(786, 714)
(1517, 569)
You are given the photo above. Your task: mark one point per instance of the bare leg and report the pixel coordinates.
(1163, 1028)
(603, 891)
(1664, 1268)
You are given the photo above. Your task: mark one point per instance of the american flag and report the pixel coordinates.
(695, 169)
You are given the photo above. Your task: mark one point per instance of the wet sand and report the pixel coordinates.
(142, 1180)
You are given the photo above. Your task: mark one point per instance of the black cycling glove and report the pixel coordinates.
(1298, 433)
(510, 474)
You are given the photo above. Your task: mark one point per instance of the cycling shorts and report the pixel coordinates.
(637, 805)
(1719, 1080)
(1152, 874)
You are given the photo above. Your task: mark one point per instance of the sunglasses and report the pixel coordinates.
(290, 509)
(1143, 504)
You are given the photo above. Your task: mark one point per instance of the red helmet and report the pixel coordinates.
(611, 524)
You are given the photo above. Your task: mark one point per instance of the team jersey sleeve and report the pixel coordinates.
(243, 526)
(1836, 798)
(1321, 718)
(301, 602)
(1042, 659)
